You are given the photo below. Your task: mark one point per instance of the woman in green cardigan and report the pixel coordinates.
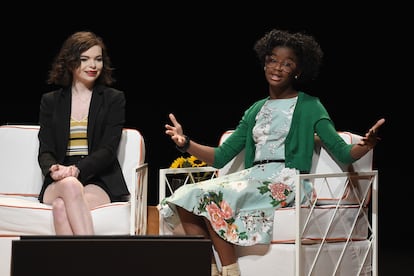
(277, 134)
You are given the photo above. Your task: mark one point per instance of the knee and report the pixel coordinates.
(58, 204)
(72, 188)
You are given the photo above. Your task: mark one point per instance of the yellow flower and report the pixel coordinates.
(195, 162)
(178, 163)
(192, 162)
(187, 162)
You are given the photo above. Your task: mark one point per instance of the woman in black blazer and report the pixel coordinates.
(80, 129)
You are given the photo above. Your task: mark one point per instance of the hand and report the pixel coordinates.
(370, 139)
(58, 172)
(175, 131)
(55, 172)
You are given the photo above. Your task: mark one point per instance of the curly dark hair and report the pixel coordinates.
(68, 59)
(305, 47)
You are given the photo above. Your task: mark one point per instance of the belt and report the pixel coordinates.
(260, 162)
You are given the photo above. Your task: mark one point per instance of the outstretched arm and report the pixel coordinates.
(368, 142)
(175, 131)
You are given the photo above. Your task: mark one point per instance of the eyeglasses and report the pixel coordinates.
(285, 65)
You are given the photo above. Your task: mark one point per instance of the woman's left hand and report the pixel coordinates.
(371, 137)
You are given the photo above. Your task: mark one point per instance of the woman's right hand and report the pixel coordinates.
(175, 131)
(58, 172)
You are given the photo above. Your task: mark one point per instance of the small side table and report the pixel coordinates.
(166, 187)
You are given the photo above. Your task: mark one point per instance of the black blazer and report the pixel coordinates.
(105, 123)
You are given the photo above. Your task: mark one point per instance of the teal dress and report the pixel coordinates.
(240, 206)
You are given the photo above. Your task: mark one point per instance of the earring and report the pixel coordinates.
(296, 77)
(264, 68)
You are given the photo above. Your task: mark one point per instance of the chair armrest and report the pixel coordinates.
(139, 201)
(364, 189)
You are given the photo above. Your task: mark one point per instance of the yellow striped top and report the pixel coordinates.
(78, 138)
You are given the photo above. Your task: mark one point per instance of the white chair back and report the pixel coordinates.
(131, 154)
(19, 169)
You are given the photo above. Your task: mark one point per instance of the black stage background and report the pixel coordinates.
(200, 65)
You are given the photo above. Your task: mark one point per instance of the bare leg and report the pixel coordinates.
(225, 250)
(194, 225)
(60, 220)
(95, 196)
(73, 216)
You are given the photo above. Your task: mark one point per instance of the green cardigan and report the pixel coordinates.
(309, 118)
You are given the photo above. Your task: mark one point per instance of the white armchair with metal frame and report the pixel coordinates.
(332, 233)
(20, 181)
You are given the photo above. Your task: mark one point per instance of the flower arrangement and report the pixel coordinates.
(191, 162)
(187, 162)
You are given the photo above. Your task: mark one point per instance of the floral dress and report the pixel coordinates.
(240, 206)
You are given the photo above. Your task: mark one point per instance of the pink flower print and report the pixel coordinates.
(226, 210)
(279, 191)
(216, 215)
(232, 233)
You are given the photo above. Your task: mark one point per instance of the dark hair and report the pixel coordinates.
(68, 59)
(305, 47)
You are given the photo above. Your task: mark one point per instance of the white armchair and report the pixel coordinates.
(20, 181)
(334, 233)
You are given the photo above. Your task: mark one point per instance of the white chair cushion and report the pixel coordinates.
(27, 216)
